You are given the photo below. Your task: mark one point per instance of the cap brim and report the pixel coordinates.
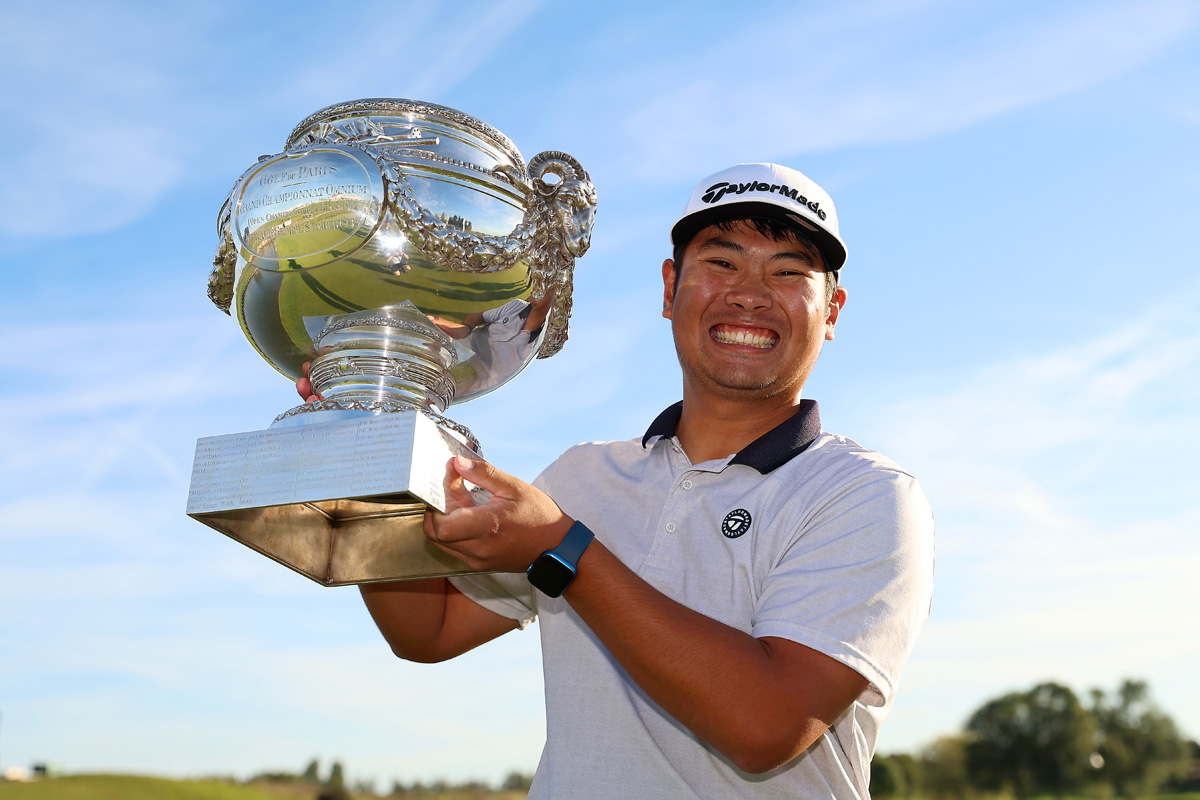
(833, 252)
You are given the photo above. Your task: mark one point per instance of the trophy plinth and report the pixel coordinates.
(339, 502)
(407, 254)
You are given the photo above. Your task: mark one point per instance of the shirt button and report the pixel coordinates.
(686, 485)
(670, 527)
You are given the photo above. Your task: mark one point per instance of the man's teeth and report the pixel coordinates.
(744, 337)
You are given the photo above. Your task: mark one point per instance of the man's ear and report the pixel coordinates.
(668, 270)
(835, 307)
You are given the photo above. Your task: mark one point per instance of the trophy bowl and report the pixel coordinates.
(406, 257)
(378, 203)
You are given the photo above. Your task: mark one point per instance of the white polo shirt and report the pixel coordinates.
(802, 535)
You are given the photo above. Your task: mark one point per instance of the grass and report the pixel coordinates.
(1161, 796)
(129, 787)
(134, 787)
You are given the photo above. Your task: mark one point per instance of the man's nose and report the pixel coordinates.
(749, 293)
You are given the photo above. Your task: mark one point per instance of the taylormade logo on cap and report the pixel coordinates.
(714, 193)
(754, 191)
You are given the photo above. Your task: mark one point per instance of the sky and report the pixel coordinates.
(1017, 187)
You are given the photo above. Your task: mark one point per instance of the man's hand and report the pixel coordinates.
(505, 534)
(304, 386)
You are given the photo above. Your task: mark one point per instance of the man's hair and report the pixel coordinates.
(774, 229)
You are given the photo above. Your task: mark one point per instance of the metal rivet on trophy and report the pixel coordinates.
(407, 253)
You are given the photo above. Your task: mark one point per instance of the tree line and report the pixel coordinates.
(1039, 742)
(336, 786)
(1046, 741)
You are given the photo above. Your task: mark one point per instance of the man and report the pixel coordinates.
(737, 624)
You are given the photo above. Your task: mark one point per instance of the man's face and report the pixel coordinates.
(749, 314)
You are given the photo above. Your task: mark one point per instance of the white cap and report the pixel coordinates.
(748, 191)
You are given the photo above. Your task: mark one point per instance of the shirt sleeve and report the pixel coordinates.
(856, 580)
(508, 594)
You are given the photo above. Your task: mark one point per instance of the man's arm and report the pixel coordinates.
(429, 620)
(760, 702)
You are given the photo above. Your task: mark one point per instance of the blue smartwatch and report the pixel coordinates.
(554, 570)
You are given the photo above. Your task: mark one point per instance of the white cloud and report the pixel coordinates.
(114, 104)
(1067, 519)
(888, 75)
(422, 52)
(68, 181)
(92, 93)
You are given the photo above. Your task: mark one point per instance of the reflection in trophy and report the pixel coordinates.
(407, 253)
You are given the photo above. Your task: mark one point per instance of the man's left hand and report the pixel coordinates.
(505, 534)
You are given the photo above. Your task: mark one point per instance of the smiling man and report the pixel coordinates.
(727, 601)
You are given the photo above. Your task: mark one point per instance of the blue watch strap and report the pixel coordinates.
(574, 543)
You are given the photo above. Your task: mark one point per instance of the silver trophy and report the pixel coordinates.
(405, 252)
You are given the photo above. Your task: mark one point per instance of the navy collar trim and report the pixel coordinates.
(768, 452)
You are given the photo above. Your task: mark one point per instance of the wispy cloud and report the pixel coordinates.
(1067, 516)
(91, 89)
(105, 133)
(896, 74)
(417, 51)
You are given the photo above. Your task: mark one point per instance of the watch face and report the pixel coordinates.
(551, 575)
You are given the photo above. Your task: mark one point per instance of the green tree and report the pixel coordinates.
(311, 772)
(1035, 741)
(910, 769)
(335, 786)
(1140, 745)
(887, 778)
(517, 780)
(944, 769)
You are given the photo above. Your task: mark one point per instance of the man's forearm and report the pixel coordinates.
(760, 702)
(428, 620)
(409, 614)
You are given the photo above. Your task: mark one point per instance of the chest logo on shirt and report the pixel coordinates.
(736, 523)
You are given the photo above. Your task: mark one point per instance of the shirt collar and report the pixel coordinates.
(768, 452)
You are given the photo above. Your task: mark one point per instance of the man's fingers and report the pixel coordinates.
(457, 493)
(466, 558)
(459, 524)
(485, 476)
(427, 524)
(455, 535)
(304, 386)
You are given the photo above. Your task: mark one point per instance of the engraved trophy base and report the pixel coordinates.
(340, 502)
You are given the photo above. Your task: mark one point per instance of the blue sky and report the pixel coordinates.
(1017, 184)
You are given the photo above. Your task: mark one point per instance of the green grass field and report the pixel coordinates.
(133, 787)
(129, 787)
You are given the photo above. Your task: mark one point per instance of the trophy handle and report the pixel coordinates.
(566, 207)
(220, 280)
(560, 208)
